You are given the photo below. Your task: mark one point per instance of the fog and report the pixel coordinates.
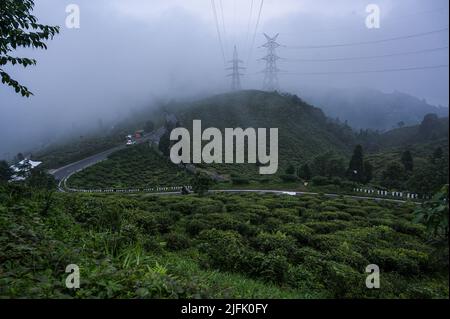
(135, 53)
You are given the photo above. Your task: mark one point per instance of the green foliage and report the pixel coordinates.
(165, 144)
(355, 170)
(407, 161)
(434, 214)
(328, 165)
(135, 167)
(201, 183)
(5, 172)
(290, 170)
(320, 181)
(305, 172)
(19, 28)
(394, 176)
(225, 250)
(240, 181)
(289, 178)
(220, 246)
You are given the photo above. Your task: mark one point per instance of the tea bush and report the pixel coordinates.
(218, 246)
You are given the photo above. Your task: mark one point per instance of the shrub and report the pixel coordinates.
(224, 250)
(403, 261)
(289, 178)
(176, 241)
(240, 181)
(271, 267)
(327, 227)
(320, 181)
(145, 220)
(301, 233)
(266, 242)
(325, 216)
(194, 227)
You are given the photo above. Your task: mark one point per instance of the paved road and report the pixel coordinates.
(62, 173)
(65, 172)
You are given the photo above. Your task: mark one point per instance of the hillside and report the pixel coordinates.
(304, 131)
(431, 130)
(371, 109)
(135, 167)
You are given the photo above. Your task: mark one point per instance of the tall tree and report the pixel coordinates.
(368, 172)
(5, 172)
(305, 172)
(355, 170)
(165, 143)
(407, 161)
(19, 28)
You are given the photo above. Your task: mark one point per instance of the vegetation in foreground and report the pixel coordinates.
(221, 246)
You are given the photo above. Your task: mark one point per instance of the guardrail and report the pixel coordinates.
(395, 194)
(131, 190)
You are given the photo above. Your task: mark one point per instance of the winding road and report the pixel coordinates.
(63, 173)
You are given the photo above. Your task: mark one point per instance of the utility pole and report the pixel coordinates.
(271, 70)
(235, 75)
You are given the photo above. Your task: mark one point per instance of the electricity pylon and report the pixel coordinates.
(271, 70)
(236, 75)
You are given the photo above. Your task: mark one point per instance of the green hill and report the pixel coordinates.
(304, 130)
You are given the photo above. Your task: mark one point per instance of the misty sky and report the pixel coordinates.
(130, 53)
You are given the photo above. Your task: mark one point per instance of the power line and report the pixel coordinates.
(256, 30)
(370, 71)
(225, 36)
(370, 42)
(218, 31)
(389, 21)
(249, 22)
(368, 57)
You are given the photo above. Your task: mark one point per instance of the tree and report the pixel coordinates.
(429, 126)
(328, 165)
(164, 144)
(290, 170)
(19, 28)
(401, 124)
(434, 214)
(407, 161)
(305, 172)
(201, 184)
(355, 170)
(5, 172)
(39, 179)
(393, 176)
(368, 172)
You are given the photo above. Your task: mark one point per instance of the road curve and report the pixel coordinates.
(63, 173)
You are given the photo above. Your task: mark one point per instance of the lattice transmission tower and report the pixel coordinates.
(271, 71)
(236, 68)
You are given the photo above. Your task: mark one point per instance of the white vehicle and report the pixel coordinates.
(130, 142)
